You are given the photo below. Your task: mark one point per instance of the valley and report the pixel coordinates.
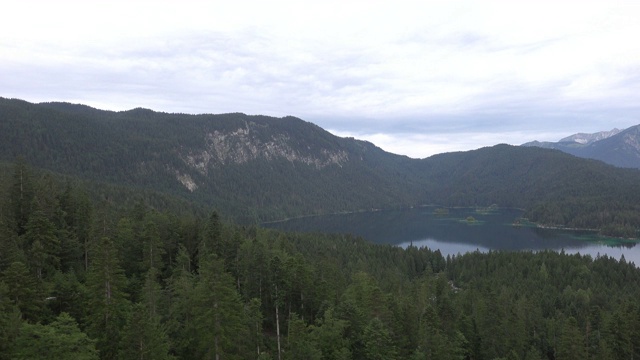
(258, 168)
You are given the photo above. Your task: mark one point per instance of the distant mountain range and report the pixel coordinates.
(616, 147)
(257, 168)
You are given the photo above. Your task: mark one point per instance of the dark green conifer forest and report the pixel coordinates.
(260, 168)
(89, 277)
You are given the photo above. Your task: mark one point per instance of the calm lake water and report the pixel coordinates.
(453, 234)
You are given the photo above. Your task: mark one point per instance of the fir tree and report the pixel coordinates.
(108, 304)
(220, 317)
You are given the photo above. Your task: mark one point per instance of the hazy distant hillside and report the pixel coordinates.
(585, 139)
(616, 147)
(255, 168)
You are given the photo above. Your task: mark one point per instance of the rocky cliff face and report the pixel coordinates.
(247, 143)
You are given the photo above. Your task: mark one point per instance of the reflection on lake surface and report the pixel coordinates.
(460, 230)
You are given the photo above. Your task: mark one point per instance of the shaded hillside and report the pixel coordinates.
(621, 150)
(256, 168)
(618, 148)
(555, 188)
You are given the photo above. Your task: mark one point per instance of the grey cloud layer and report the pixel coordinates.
(424, 75)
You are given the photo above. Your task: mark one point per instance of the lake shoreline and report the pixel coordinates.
(479, 209)
(451, 232)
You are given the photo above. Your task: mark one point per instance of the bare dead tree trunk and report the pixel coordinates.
(278, 326)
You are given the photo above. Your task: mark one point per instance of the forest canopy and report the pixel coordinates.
(95, 279)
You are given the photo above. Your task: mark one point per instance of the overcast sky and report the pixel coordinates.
(415, 78)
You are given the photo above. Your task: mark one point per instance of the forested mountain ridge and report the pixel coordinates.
(553, 187)
(256, 168)
(616, 147)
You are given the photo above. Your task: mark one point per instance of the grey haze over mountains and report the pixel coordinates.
(616, 147)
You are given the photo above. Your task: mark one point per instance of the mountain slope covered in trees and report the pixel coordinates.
(554, 188)
(257, 168)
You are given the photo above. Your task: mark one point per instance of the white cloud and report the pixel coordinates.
(376, 67)
(420, 145)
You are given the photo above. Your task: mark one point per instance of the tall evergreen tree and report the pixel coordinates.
(220, 316)
(144, 337)
(212, 237)
(10, 249)
(21, 196)
(278, 287)
(22, 290)
(328, 334)
(129, 248)
(433, 342)
(619, 335)
(571, 345)
(10, 321)
(152, 246)
(65, 222)
(300, 343)
(83, 224)
(108, 304)
(378, 344)
(62, 339)
(255, 319)
(43, 244)
(182, 324)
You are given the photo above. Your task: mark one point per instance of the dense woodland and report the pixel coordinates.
(145, 149)
(554, 188)
(89, 278)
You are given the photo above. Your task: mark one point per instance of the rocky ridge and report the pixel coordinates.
(616, 147)
(244, 144)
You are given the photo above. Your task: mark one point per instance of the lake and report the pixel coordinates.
(460, 230)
